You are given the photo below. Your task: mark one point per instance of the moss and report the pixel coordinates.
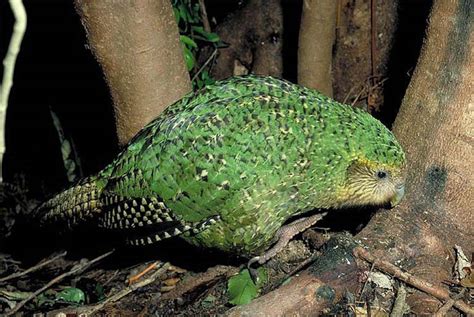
(326, 293)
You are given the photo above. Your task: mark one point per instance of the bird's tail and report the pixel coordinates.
(71, 207)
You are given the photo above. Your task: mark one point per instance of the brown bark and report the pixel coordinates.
(316, 39)
(254, 37)
(434, 126)
(136, 43)
(354, 54)
(302, 296)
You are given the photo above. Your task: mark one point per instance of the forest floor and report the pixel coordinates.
(86, 273)
(185, 282)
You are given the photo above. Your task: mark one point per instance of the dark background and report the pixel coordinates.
(56, 70)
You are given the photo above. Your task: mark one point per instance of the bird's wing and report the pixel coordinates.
(197, 163)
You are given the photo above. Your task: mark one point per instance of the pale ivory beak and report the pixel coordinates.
(399, 193)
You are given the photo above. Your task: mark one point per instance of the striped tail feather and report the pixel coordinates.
(176, 229)
(71, 207)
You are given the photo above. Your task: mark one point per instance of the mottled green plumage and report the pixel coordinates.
(233, 162)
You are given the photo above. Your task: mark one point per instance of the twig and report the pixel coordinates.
(443, 310)
(414, 281)
(92, 309)
(19, 28)
(366, 281)
(205, 19)
(358, 96)
(33, 268)
(348, 94)
(111, 278)
(136, 277)
(75, 270)
(6, 258)
(205, 64)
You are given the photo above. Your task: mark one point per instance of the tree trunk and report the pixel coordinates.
(316, 39)
(137, 44)
(365, 32)
(435, 127)
(254, 36)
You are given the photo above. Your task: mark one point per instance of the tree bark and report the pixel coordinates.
(300, 297)
(356, 58)
(254, 36)
(137, 44)
(316, 40)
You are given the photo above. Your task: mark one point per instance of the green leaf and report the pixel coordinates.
(208, 36)
(198, 83)
(212, 37)
(176, 15)
(70, 160)
(198, 29)
(189, 58)
(183, 12)
(262, 277)
(71, 295)
(241, 289)
(99, 292)
(187, 41)
(44, 301)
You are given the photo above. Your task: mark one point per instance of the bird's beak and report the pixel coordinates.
(399, 193)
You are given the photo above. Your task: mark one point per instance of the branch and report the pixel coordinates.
(33, 268)
(9, 61)
(205, 19)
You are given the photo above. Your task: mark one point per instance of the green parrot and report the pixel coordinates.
(228, 167)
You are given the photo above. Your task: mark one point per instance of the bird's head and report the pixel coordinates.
(372, 183)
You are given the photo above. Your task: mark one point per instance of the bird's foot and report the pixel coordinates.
(282, 237)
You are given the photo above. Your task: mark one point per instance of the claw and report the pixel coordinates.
(253, 260)
(254, 272)
(284, 235)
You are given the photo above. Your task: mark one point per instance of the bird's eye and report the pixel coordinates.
(382, 174)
